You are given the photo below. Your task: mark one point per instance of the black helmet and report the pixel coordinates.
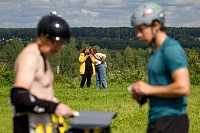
(54, 27)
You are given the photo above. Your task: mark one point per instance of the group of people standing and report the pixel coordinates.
(92, 63)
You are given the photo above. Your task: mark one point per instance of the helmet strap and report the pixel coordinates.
(39, 42)
(151, 44)
(44, 59)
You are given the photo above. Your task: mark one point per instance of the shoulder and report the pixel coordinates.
(172, 43)
(100, 55)
(172, 47)
(28, 57)
(30, 52)
(175, 55)
(82, 54)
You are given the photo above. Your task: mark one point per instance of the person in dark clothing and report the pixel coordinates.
(87, 68)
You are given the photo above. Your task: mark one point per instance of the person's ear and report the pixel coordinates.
(41, 39)
(156, 25)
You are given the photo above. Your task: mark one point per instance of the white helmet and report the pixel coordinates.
(146, 14)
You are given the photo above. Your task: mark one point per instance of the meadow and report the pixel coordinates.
(131, 118)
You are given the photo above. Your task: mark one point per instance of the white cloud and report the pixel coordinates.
(76, 1)
(187, 1)
(90, 12)
(97, 2)
(26, 13)
(104, 1)
(39, 0)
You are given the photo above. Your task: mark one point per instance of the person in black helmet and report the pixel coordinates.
(168, 75)
(32, 94)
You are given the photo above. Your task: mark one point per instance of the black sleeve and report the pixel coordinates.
(24, 101)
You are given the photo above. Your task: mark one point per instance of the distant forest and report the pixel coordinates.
(115, 38)
(126, 55)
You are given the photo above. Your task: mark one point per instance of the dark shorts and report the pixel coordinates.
(170, 124)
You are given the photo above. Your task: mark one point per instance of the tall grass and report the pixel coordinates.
(131, 118)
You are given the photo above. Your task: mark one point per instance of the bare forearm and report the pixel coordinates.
(170, 91)
(179, 87)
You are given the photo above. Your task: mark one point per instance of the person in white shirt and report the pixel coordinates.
(100, 69)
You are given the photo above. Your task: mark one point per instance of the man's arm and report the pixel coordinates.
(25, 69)
(24, 101)
(179, 87)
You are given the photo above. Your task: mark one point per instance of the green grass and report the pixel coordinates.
(130, 118)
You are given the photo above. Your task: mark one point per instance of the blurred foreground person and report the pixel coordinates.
(32, 94)
(168, 74)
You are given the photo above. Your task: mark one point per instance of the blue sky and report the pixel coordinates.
(94, 13)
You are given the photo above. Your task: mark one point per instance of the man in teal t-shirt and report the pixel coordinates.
(162, 63)
(168, 73)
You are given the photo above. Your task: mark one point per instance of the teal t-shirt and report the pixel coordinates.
(162, 63)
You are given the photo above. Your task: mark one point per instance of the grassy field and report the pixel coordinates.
(130, 118)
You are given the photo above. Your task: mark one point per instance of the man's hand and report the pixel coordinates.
(135, 96)
(133, 93)
(63, 110)
(142, 88)
(141, 99)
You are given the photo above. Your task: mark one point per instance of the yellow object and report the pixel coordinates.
(54, 118)
(39, 128)
(58, 122)
(49, 128)
(62, 126)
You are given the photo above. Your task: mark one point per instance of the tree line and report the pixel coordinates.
(117, 38)
(127, 65)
